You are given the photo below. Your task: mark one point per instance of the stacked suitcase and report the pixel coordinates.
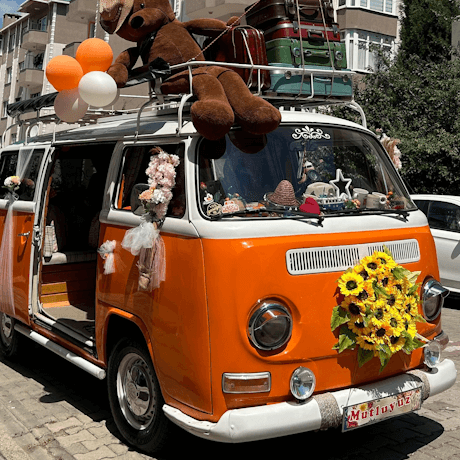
(301, 33)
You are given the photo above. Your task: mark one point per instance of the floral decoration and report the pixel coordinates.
(379, 309)
(12, 183)
(161, 174)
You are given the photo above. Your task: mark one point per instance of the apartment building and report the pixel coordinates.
(40, 30)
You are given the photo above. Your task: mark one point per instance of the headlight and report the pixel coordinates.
(432, 352)
(433, 295)
(270, 326)
(302, 383)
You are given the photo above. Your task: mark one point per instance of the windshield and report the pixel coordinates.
(313, 169)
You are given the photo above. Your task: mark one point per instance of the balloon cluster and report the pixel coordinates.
(82, 81)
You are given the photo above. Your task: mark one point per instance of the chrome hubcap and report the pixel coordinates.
(136, 393)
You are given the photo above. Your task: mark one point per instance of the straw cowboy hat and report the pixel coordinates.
(114, 13)
(283, 195)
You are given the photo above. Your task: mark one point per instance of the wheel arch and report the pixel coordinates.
(122, 325)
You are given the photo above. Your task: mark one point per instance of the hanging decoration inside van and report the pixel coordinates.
(145, 240)
(379, 311)
(12, 184)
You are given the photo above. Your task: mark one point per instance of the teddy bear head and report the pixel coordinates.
(134, 20)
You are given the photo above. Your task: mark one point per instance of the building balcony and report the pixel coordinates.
(82, 11)
(220, 9)
(362, 19)
(32, 79)
(34, 40)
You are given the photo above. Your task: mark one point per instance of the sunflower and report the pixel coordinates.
(358, 326)
(395, 297)
(367, 293)
(360, 270)
(379, 312)
(350, 283)
(396, 343)
(372, 265)
(396, 322)
(354, 306)
(410, 306)
(366, 342)
(409, 325)
(386, 260)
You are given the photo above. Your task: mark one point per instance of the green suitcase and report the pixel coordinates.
(318, 53)
(323, 86)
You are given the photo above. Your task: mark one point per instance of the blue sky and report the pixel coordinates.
(9, 6)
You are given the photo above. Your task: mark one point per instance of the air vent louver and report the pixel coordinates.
(339, 258)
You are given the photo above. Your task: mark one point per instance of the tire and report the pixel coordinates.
(9, 337)
(135, 397)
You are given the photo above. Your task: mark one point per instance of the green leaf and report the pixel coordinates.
(347, 339)
(379, 290)
(364, 356)
(384, 356)
(339, 317)
(419, 318)
(412, 277)
(400, 272)
(387, 251)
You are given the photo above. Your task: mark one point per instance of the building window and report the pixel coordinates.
(91, 29)
(363, 47)
(383, 6)
(35, 95)
(4, 112)
(12, 41)
(9, 75)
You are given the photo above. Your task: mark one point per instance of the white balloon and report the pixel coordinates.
(97, 88)
(69, 106)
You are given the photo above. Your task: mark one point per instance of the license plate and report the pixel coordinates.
(380, 409)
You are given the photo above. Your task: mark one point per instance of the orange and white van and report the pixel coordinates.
(236, 344)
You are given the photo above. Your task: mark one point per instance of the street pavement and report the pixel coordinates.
(51, 410)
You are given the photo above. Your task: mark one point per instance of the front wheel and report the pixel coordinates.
(135, 397)
(9, 337)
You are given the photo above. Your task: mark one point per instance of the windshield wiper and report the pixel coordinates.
(282, 212)
(346, 212)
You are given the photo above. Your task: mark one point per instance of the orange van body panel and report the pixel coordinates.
(241, 272)
(175, 315)
(23, 222)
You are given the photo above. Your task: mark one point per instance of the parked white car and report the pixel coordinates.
(443, 213)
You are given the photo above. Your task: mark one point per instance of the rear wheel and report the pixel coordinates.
(135, 397)
(9, 337)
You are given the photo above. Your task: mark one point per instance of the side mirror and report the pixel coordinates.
(136, 205)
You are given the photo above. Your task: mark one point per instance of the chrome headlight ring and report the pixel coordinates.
(433, 294)
(270, 326)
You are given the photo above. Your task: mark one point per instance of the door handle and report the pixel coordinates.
(26, 234)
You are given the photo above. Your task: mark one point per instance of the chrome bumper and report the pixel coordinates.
(319, 412)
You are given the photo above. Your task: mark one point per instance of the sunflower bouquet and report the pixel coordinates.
(379, 310)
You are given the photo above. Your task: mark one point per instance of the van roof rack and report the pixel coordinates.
(164, 104)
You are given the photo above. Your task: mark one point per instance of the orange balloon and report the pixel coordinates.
(64, 72)
(94, 54)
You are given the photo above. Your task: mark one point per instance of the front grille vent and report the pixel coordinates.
(339, 258)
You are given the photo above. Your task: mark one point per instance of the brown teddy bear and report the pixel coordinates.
(222, 95)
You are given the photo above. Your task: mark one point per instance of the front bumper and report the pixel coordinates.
(319, 412)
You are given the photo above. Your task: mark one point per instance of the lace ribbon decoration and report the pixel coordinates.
(106, 252)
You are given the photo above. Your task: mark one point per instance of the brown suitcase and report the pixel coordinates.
(243, 45)
(267, 13)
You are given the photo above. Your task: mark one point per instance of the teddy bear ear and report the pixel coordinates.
(113, 13)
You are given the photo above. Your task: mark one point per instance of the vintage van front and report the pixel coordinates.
(271, 280)
(255, 332)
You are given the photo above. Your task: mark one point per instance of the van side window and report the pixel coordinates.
(136, 160)
(8, 166)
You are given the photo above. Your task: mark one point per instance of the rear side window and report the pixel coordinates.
(27, 167)
(444, 216)
(134, 178)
